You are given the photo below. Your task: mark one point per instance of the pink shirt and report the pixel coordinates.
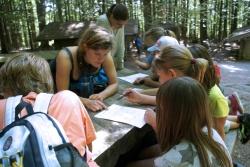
(67, 108)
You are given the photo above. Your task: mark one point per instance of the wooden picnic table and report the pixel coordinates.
(115, 139)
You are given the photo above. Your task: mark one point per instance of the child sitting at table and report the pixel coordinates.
(28, 75)
(154, 38)
(184, 128)
(234, 103)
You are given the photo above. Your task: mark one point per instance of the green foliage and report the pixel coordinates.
(21, 17)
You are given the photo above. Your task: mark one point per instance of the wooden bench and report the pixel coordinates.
(230, 140)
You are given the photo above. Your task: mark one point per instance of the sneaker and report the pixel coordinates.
(235, 104)
(244, 121)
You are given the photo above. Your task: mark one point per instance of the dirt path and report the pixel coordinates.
(236, 77)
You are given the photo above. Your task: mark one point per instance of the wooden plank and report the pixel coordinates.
(230, 140)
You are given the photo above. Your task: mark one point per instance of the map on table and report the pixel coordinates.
(132, 78)
(128, 115)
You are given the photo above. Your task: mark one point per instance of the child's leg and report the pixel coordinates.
(233, 118)
(229, 125)
(235, 104)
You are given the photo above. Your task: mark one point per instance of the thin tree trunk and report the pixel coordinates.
(40, 9)
(28, 25)
(225, 11)
(203, 20)
(147, 13)
(234, 23)
(220, 20)
(184, 21)
(169, 11)
(59, 10)
(5, 41)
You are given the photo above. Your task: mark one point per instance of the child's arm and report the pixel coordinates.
(151, 83)
(142, 65)
(150, 118)
(136, 97)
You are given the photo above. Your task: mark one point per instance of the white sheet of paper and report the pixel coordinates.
(128, 115)
(132, 78)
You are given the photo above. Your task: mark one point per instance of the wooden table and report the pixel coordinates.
(115, 139)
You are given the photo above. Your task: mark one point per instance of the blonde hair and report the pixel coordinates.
(182, 113)
(24, 73)
(179, 58)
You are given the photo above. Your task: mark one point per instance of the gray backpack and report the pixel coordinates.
(37, 139)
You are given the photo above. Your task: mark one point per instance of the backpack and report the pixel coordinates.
(244, 120)
(37, 139)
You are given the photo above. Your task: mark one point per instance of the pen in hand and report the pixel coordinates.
(123, 95)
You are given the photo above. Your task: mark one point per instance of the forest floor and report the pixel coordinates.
(235, 77)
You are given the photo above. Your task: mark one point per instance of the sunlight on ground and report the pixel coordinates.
(232, 68)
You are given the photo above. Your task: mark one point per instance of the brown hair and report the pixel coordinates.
(24, 73)
(155, 33)
(119, 12)
(179, 58)
(183, 102)
(95, 37)
(199, 51)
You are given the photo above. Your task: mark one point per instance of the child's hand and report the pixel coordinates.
(96, 97)
(139, 80)
(132, 96)
(94, 105)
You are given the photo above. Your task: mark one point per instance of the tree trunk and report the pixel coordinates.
(40, 9)
(220, 20)
(59, 10)
(175, 12)
(147, 14)
(5, 43)
(203, 20)
(28, 25)
(234, 24)
(169, 11)
(247, 15)
(184, 22)
(225, 10)
(5, 35)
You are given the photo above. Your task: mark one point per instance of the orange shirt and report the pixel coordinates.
(66, 107)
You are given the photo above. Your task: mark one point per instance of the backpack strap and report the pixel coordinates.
(42, 102)
(11, 104)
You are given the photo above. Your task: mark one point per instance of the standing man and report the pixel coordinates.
(114, 20)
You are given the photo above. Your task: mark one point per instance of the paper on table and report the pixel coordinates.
(132, 78)
(129, 115)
